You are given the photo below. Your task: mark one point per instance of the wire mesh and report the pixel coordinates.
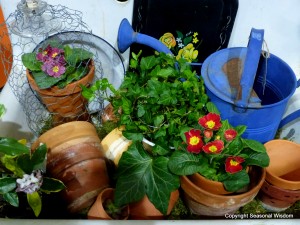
(32, 29)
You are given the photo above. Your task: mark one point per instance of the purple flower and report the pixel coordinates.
(30, 183)
(53, 68)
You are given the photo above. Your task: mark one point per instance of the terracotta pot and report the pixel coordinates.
(145, 210)
(202, 202)
(284, 168)
(214, 187)
(97, 210)
(75, 157)
(65, 104)
(114, 144)
(276, 199)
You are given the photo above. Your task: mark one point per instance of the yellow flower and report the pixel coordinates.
(195, 40)
(168, 39)
(188, 52)
(195, 34)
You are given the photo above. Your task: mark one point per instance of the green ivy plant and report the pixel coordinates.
(2, 110)
(22, 173)
(158, 98)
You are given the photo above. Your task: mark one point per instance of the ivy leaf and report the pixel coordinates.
(133, 136)
(148, 62)
(35, 202)
(12, 198)
(10, 146)
(165, 72)
(139, 174)
(7, 184)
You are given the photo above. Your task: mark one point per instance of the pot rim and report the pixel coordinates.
(186, 182)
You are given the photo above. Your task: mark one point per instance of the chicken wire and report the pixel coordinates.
(30, 29)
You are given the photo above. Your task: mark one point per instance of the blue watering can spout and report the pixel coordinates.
(126, 37)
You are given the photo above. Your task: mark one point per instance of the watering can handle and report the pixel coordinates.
(250, 67)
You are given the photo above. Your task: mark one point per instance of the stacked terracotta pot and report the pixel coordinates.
(281, 188)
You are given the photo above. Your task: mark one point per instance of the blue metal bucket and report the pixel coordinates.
(272, 80)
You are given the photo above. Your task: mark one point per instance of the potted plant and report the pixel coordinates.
(105, 208)
(217, 151)
(158, 98)
(56, 72)
(23, 173)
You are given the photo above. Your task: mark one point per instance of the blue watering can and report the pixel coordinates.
(260, 97)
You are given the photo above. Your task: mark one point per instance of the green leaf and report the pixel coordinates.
(10, 163)
(2, 110)
(45, 81)
(254, 145)
(165, 72)
(140, 175)
(148, 62)
(235, 182)
(133, 136)
(158, 120)
(52, 185)
(211, 107)
(35, 202)
(38, 158)
(76, 55)
(10, 146)
(30, 62)
(24, 163)
(7, 184)
(12, 198)
(260, 159)
(126, 106)
(141, 110)
(184, 163)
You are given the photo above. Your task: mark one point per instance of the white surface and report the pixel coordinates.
(280, 19)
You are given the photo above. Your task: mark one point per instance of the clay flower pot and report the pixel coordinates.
(75, 157)
(145, 210)
(276, 199)
(97, 211)
(65, 104)
(114, 144)
(202, 202)
(284, 168)
(214, 187)
(282, 186)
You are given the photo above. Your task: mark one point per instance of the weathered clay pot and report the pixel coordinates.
(145, 210)
(75, 157)
(214, 187)
(202, 202)
(284, 168)
(276, 199)
(97, 210)
(65, 104)
(114, 144)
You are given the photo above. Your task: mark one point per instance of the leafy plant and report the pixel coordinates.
(22, 172)
(158, 98)
(57, 65)
(114, 211)
(218, 152)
